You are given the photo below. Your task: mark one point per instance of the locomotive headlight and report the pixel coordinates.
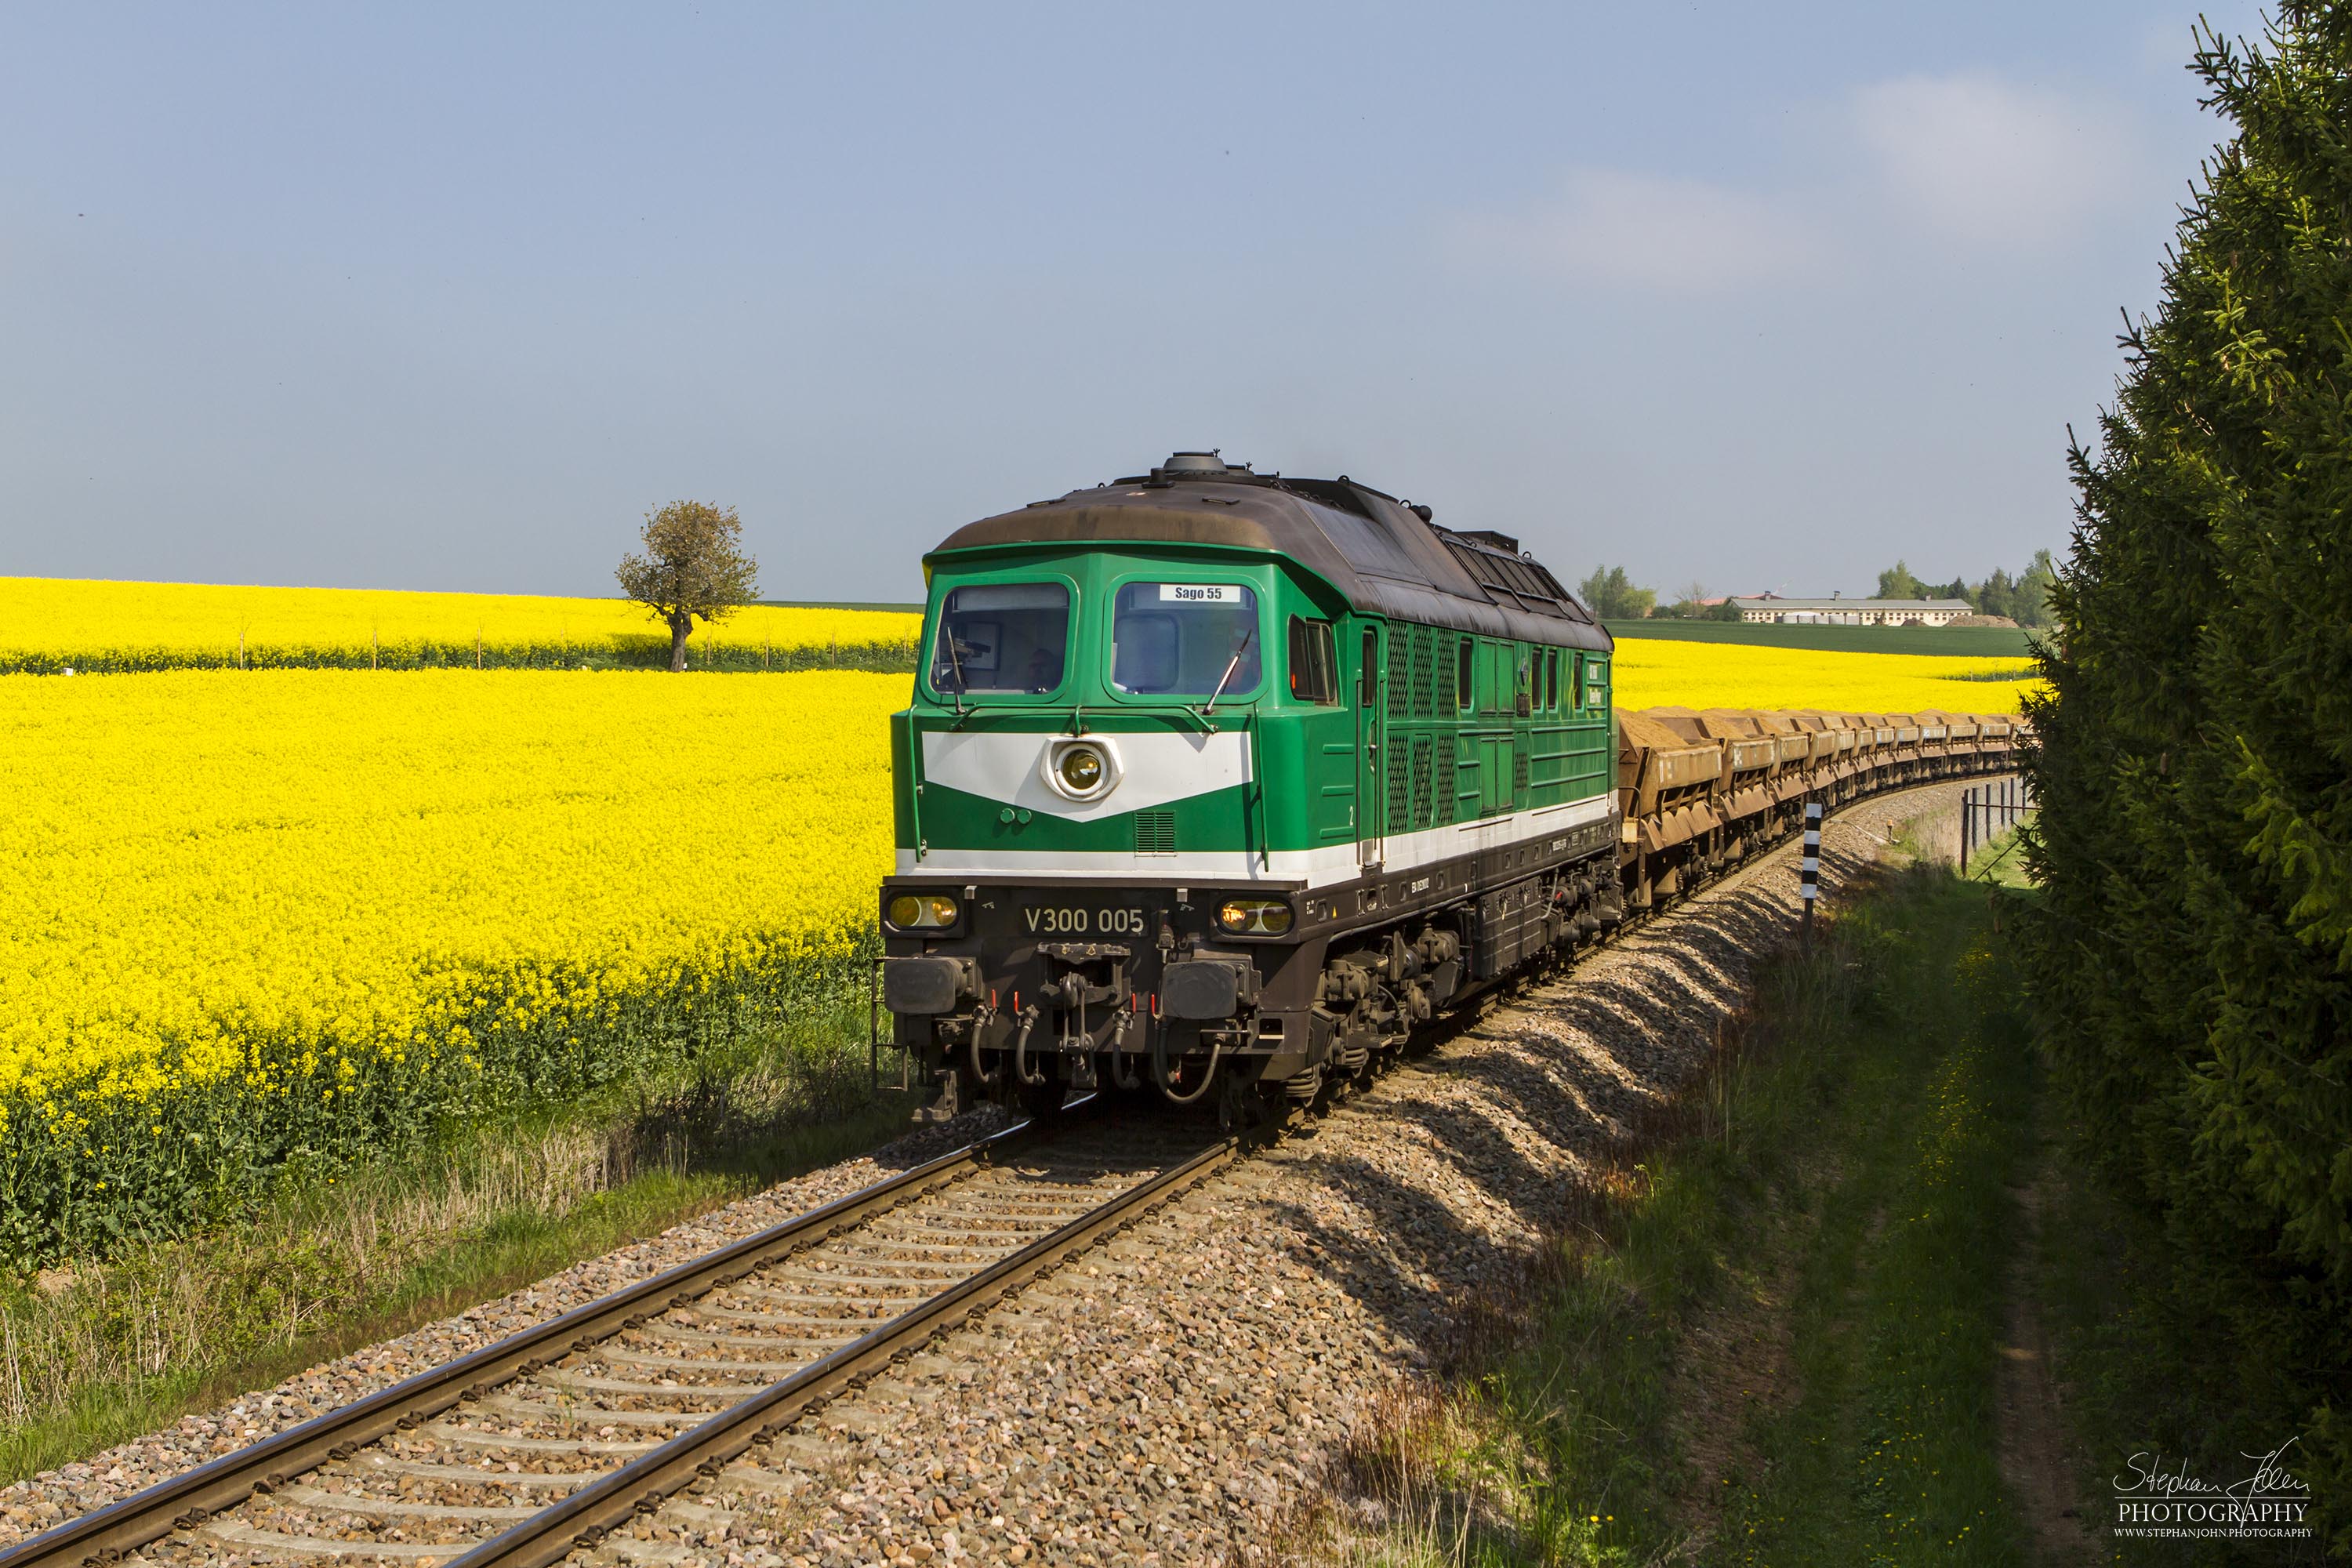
(922, 911)
(1254, 917)
(1081, 770)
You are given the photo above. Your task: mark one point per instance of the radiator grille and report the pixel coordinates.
(1399, 792)
(1421, 801)
(1399, 671)
(1423, 657)
(1445, 801)
(1519, 775)
(1155, 833)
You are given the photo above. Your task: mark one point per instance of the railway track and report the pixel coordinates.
(526, 1451)
(545, 1443)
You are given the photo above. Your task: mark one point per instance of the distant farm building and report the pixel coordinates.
(1835, 612)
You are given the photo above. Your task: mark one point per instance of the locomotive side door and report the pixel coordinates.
(1371, 752)
(1496, 727)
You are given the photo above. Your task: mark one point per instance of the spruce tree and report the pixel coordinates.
(2194, 761)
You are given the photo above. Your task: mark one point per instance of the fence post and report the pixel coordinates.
(1809, 874)
(1967, 826)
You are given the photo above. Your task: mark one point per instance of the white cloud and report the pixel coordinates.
(1982, 161)
(1647, 231)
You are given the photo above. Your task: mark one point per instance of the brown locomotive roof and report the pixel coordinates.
(1381, 555)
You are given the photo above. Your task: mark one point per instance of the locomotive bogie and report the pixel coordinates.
(1090, 984)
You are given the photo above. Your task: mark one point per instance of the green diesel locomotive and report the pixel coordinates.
(1221, 782)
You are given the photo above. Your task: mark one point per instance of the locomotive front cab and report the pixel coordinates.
(1219, 778)
(1088, 886)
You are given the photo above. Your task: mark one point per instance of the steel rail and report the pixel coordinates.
(583, 1520)
(588, 1515)
(190, 1498)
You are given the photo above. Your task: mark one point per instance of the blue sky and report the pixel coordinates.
(1755, 296)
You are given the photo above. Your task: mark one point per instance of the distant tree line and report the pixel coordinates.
(1612, 595)
(2024, 598)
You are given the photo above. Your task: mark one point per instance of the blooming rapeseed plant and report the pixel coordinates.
(298, 913)
(1652, 672)
(47, 623)
(283, 915)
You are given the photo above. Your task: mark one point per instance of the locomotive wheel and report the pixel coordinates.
(1252, 1111)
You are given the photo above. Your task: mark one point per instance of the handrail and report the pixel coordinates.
(915, 773)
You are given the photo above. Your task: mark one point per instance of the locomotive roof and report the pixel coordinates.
(1385, 557)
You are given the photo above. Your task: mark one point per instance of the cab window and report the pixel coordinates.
(1002, 637)
(1314, 673)
(1184, 639)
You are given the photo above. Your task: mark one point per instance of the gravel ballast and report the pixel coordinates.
(1167, 1397)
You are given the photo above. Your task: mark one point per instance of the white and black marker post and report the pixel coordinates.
(1809, 876)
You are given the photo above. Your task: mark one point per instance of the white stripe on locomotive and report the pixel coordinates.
(1324, 866)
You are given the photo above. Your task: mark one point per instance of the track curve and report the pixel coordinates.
(525, 1449)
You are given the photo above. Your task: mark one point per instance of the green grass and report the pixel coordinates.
(1969, 642)
(1999, 861)
(1890, 1452)
(333, 1263)
(1773, 1325)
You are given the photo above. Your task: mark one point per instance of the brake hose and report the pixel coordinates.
(985, 1016)
(1021, 1048)
(1159, 1069)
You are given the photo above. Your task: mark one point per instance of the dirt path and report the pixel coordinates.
(2035, 1461)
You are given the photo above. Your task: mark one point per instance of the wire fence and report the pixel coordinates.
(1989, 810)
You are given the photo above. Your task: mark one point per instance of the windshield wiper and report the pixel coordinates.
(1231, 665)
(955, 659)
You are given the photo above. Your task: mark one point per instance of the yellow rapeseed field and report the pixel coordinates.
(48, 623)
(296, 913)
(1653, 673)
(254, 915)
